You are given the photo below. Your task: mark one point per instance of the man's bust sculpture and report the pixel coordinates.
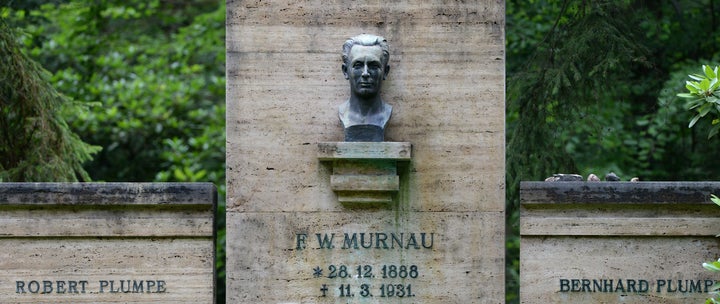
(365, 65)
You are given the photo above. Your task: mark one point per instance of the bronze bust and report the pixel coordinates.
(365, 65)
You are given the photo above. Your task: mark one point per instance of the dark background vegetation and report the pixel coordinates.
(591, 88)
(143, 79)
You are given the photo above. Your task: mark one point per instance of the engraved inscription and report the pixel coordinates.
(369, 240)
(636, 285)
(381, 284)
(366, 280)
(84, 286)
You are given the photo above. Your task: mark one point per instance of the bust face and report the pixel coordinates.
(365, 70)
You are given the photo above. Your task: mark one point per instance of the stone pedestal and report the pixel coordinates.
(107, 243)
(365, 173)
(617, 242)
(439, 238)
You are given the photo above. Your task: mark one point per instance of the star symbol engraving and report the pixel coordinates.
(317, 272)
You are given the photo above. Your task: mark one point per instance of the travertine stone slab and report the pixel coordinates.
(446, 86)
(287, 252)
(364, 150)
(650, 239)
(67, 221)
(623, 193)
(366, 167)
(110, 194)
(107, 243)
(365, 199)
(365, 182)
(549, 266)
(161, 270)
(365, 172)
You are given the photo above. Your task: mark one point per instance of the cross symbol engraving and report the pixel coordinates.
(324, 289)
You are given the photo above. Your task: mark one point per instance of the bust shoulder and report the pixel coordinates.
(379, 118)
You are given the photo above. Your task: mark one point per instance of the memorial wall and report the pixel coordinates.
(417, 217)
(107, 242)
(617, 242)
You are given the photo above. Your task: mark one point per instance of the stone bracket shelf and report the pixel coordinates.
(364, 173)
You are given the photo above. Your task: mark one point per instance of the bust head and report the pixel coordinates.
(365, 66)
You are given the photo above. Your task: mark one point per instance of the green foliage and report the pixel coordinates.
(36, 143)
(557, 86)
(156, 87)
(592, 87)
(155, 71)
(714, 266)
(565, 81)
(645, 141)
(704, 97)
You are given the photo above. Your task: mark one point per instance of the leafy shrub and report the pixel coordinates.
(704, 97)
(714, 266)
(154, 71)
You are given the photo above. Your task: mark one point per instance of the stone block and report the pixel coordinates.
(446, 87)
(364, 150)
(107, 243)
(605, 242)
(434, 253)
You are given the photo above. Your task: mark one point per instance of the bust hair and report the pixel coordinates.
(366, 40)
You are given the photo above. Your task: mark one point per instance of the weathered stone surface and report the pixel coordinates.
(365, 182)
(449, 267)
(364, 150)
(446, 86)
(618, 193)
(284, 84)
(365, 172)
(650, 239)
(545, 261)
(95, 243)
(155, 194)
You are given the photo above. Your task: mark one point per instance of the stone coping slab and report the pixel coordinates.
(107, 194)
(617, 192)
(617, 242)
(364, 150)
(619, 208)
(107, 242)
